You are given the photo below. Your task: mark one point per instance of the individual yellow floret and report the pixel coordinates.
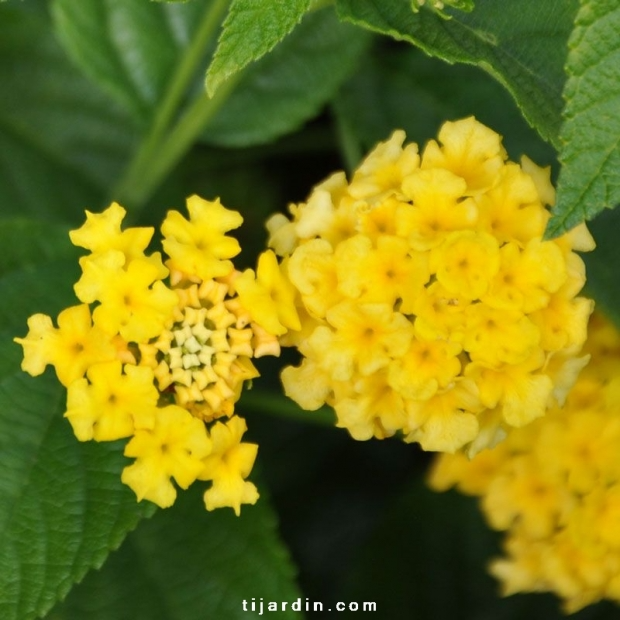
(447, 421)
(174, 448)
(71, 348)
(268, 296)
(385, 168)
(312, 271)
(465, 263)
(370, 408)
(227, 466)
(102, 232)
(469, 150)
(365, 338)
(198, 246)
(438, 206)
(112, 404)
(427, 366)
(512, 208)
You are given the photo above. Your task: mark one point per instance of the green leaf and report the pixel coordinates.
(396, 80)
(28, 244)
(187, 564)
(278, 93)
(521, 43)
(61, 141)
(251, 29)
(603, 265)
(62, 505)
(590, 154)
(128, 47)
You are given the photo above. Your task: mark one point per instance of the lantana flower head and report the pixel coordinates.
(553, 487)
(160, 348)
(430, 306)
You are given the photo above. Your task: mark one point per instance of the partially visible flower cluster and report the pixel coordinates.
(554, 488)
(159, 351)
(430, 305)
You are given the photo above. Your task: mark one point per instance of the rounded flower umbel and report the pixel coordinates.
(430, 305)
(553, 487)
(160, 349)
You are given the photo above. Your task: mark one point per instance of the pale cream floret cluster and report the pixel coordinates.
(205, 352)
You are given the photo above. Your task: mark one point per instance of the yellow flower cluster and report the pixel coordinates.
(554, 487)
(159, 352)
(430, 305)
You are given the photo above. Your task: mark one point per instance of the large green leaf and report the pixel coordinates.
(590, 153)
(62, 505)
(187, 564)
(61, 141)
(128, 47)
(28, 244)
(281, 91)
(521, 43)
(398, 86)
(251, 29)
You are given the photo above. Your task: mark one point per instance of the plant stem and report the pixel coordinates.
(186, 71)
(263, 402)
(141, 169)
(350, 147)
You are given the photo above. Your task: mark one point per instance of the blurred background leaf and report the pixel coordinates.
(129, 48)
(61, 142)
(426, 559)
